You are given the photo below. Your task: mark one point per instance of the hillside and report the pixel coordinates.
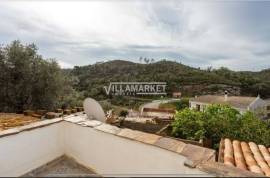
(190, 81)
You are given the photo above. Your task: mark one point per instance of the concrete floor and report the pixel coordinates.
(62, 167)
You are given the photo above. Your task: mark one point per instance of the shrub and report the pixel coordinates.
(253, 129)
(182, 104)
(219, 121)
(189, 124)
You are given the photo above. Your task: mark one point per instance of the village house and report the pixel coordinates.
(241, 103)
(268, 108)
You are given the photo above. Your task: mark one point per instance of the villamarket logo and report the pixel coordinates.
(136, 88)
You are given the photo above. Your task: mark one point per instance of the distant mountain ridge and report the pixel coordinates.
(190, 81)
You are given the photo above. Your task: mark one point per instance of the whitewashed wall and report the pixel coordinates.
(193, 105)
(259, 107)
(115, 156)
(107, 154)
(25, 151)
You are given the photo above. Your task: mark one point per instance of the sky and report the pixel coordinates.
(232, 34)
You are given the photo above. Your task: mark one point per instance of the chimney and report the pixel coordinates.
(226, 95)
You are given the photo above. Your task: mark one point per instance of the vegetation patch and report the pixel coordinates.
(176, 105)
(220, 121)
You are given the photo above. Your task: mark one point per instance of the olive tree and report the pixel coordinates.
(27, 80)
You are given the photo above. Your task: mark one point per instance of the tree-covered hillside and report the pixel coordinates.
(190, 81)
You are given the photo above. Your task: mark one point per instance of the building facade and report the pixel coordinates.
(268, 108)
(241, 103)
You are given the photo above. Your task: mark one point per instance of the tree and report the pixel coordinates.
(209, 69)
(140, 59)
(146, 60)
(27, 80)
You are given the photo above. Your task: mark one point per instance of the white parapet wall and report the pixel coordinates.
(27, 150)
(106, 153)
(110, 155)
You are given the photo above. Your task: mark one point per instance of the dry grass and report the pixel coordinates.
(10, 120)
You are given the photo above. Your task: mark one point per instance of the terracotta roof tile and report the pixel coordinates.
(246, 156)
(228, 153)
(265, 153)
(259, 158)
(238, 155)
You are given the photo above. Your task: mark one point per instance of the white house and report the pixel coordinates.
(268, 108)
(241, 103)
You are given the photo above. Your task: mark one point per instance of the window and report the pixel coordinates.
(198, 107)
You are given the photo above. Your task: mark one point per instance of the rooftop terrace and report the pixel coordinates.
(102, 149)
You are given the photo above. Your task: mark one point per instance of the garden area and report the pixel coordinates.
(220, 121)
(176, 105)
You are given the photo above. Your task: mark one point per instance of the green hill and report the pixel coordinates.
(190, 81)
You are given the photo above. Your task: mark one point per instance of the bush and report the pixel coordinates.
(188, 124)
(220, 121)
(184, 103)
(253, 129)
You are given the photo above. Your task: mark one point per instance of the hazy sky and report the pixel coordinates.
(234, 34)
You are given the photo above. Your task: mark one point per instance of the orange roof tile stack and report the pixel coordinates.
(228, 153)
(246, 156)
(238, 155)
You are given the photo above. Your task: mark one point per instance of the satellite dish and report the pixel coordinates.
(93, 110)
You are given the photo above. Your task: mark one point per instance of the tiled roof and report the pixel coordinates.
(267, 101)
(245, 156)
(236, 101)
